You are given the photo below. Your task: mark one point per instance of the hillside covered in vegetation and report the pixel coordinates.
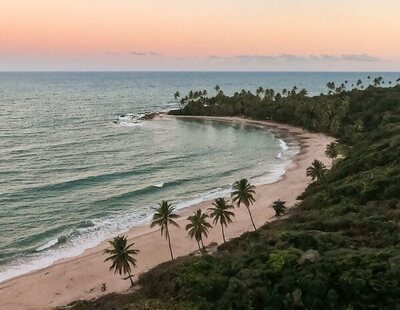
(339, 249)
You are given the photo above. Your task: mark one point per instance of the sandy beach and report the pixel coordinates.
(82, 277)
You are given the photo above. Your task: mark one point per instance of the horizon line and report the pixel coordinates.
(196, 71)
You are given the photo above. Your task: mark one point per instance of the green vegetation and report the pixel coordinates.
(122, 257)
(339, 249)
(221, 214)
(243, 193)
(163, 217)
(331, 151)
(279, 207)
(317, 170)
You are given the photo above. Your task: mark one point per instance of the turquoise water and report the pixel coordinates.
(70, 177)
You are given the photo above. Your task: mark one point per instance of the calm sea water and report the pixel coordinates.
(70, 177)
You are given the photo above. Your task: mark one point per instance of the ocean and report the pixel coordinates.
(71, 177)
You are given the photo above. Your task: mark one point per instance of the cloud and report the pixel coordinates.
(306, 58)
(139, 53)
(112, 53)
(361, 57)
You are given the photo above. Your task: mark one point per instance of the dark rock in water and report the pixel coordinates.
(148, 116)
(62, 239)
(115, 122)
(175, 112)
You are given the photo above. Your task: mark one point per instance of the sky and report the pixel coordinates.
(206, 35)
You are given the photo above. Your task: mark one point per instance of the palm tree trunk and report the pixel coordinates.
(198, 244)
(130, 278)
(251, 217)
(169, 243)
(202, 245)
(223, 234)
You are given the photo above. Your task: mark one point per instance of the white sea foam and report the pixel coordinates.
(159, 185)
(128, 120)
(284, 148)
(128, 124)
(47, 245)
(283, 145)
(77, 242)
(88, 237)
(209, 195)
(270, 177)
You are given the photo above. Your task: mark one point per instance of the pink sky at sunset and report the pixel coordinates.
(200, 35)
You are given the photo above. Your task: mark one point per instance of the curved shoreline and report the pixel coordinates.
(290, 149)
(81, 277)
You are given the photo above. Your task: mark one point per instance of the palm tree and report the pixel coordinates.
(220, 213)
(378, 81)
(198, 227)
(279, 207)
(217, 88)
(122, 256)
(177, 95)
(331, 86)
(269, 93)
(163, 217)
(259, 91)
(331, 151)
(303, 92)
(317, 170)
(243, 194)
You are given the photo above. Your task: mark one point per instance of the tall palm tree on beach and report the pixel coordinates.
(220, 213)
(331, 151)
(243, 193)
(177, 95)
(122, 257)
(317, 170)
(163, 217)
(198, 227)
(217, 88)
